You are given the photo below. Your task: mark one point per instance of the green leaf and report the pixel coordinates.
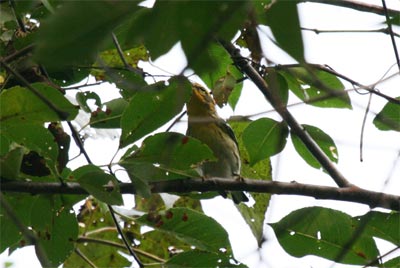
(10, 163)
(201, 259)
(254, 215)
(323, 140)
(264, 138)
(93, 179)
(21, 205)
(190, 226)
(382, 225)
(83, 97)
(173, 151)
(19, 105)
(395, 262)
(194, 24)
(324, 232)
(164, 156)
(56, 228)
(277, 81)
(316, 87)
(110, 114)
(95, 222)
(283, 19)
(389, 117)
(153, 107)
(34, 138)
(89, 24)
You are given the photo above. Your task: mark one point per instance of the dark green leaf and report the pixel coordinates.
(110, 114)
(317, 88)
(35, 138)
(89, 24)
(83, 97)
(389, 117)
(19, 105)
(324, 232)
(278, 82)
(201, 259)
(264, 138)
(56, 228)
(190, 226)
(323, 140)
(21, 205)
(153, 107)
(175, 160)
(395, 262)
(382, 225)
(10, 163)
(283, 19)
(194, 24)
(93, 179)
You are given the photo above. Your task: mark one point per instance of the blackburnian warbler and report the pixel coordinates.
(205, 125)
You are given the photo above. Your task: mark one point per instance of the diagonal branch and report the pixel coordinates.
(350, 194)
(271, 95)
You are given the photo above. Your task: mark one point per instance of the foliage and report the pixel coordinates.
(48, 46)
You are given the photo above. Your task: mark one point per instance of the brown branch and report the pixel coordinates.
(272, 95)
(356, 5)
(350, 194)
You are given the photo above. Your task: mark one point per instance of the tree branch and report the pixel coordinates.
(272, 95)
(351, 193)
(356, 5)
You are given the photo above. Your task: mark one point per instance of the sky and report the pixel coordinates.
(364, 57)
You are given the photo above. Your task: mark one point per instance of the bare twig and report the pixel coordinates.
(351, 194)
(396, 53)
(363, 127)
(357, 5)
(382, 30)
(85, 258)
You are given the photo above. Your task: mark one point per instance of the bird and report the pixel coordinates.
(205, 125)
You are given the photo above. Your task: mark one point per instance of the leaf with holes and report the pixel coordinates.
(312, 231)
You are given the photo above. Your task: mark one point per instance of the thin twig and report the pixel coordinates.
(85, 258)
(176, 121)
(396, 53)
(84, 239)
(382, 30)
(363, 127)
(357, 5)
(124, 239)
